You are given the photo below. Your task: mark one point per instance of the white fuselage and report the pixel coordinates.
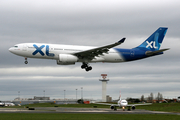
(122, 103)
(52, 51)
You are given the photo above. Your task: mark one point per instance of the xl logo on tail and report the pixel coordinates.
(151, 44)
(154, 42)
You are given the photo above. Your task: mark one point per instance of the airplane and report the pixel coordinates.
(123, 104)
(2, 104)
(70, 54)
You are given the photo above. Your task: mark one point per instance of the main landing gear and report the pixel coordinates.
(86, 66)
(26, 62)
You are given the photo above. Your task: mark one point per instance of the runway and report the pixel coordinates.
(79, 110)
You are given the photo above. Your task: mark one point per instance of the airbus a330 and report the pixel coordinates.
(70, 54)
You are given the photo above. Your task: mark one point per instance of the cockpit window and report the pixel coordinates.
(16, 46)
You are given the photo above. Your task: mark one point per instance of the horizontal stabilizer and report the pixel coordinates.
(149, 53)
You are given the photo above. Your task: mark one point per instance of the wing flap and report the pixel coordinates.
(108, 104)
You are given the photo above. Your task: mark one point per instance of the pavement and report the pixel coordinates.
(79, 110)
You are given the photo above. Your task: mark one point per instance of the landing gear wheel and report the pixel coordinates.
(26, 62)
(129, 109)
(83, 66)
(86, 67)
(89, 68)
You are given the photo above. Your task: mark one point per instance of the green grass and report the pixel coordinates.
(61, 116)
(168, 107)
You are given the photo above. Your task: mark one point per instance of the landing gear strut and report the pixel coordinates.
(129, 109)
(86, 67)
(26, 62)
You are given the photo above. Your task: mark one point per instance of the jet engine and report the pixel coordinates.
(112, 107)
(133, 107)
(67, 59)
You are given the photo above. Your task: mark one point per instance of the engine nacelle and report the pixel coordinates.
(67, 59)
(133, 107)
(112, 107)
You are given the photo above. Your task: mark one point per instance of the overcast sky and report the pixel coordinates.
(90, 23)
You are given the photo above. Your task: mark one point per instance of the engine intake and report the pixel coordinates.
(133, 107)
(112, 107)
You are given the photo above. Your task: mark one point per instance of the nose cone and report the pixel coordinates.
(124, 103)
(10, 50)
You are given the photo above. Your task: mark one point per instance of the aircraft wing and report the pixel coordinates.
(129, 105)
(90, 54)
(107, 104)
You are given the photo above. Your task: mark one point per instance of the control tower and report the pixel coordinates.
(104, 82)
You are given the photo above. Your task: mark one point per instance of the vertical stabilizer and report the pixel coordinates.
(120, 96)
(153, 43)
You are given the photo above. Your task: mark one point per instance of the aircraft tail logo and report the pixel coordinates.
(154, 42)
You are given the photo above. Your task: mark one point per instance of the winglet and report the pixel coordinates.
(122, 40)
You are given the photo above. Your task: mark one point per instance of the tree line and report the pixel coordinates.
(159, 98)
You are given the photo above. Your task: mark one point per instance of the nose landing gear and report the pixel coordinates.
(26, 62)
(86, 66)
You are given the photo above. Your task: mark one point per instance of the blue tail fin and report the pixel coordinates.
(153, 43)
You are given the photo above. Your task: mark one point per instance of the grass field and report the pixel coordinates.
(61, 116)
(167, 107)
